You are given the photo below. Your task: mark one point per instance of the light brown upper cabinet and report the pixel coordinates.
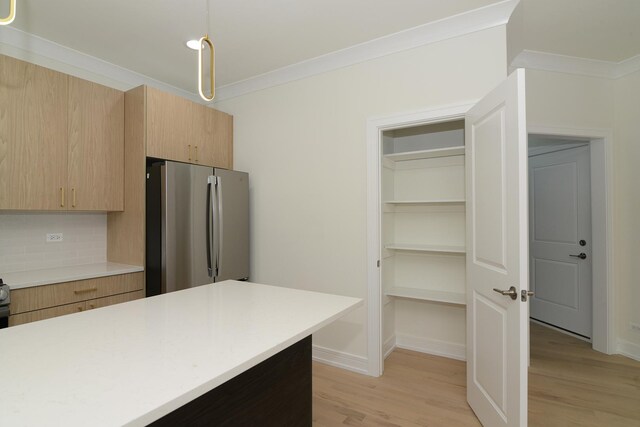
(33, 136)
(184, 131)
(61, 141)
(96, 147)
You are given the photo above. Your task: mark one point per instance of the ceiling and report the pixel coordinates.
(253, 37)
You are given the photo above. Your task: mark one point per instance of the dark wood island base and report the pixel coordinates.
(276, 392)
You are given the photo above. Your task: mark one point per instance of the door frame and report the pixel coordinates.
(375, 127)
(603, 298)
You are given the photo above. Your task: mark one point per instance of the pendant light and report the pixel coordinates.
(212, 70)
(12, 14)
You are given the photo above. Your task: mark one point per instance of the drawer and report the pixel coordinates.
(114, 299)
(41, 297)
(61, 310)
(47, 313)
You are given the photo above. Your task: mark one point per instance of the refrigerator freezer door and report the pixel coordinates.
(184, 231)
(231, 231)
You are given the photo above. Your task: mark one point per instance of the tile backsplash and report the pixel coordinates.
(23, 244)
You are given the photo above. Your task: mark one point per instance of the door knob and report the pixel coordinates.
(581, 256)
(511, 292)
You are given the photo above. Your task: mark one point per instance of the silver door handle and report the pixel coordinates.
(511, 292)
(208, 230)
(581, 255)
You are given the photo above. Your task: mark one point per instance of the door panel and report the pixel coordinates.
(33, 136)
(557, 282)
(497, 255)
(554, 193)
(96, 146)
(560, 212)
(169, 127)
(184, 235)
(232, 248)
(490, 372)
(489, 226)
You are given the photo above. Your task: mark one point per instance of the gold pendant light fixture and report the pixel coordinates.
(12, 14)
(202, 44)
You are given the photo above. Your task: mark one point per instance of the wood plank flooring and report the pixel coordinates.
(569, 385)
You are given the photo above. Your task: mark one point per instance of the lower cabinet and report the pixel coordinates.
(44, 302)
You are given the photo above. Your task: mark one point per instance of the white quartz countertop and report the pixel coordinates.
(132, 363)
(47, 276)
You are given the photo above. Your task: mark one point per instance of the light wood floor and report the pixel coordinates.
(569, 385)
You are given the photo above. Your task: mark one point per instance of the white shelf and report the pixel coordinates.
(427, 202)
(426, 248)
(428, 295)
(426, 154)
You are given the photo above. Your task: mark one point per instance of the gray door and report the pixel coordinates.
(230, 225)
(184, 236)
(560, 239)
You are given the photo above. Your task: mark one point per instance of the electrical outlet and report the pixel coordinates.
(54, 237)
(635, 327)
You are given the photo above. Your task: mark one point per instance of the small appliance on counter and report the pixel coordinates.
(197, 222)
(5, 300)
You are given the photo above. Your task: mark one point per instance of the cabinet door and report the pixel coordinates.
(33, 136)
(169, 127)
(96, 147)
(222, 140)
(202, 125)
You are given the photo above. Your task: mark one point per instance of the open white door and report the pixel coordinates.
(497, 255)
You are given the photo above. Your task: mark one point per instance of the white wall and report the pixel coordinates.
(304, 146)
(568, 100)
(23, 243)
(574, 101)
(627, 210)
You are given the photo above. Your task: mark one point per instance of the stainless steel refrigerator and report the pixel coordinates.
(197, 226)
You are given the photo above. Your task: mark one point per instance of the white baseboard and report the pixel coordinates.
(628, 349)
(389, 346)
(340, 359)
(429, 346)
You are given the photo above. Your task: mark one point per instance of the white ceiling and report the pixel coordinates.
(253, 37)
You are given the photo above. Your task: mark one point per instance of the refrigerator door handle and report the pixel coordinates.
(208, 228)
(219, 222)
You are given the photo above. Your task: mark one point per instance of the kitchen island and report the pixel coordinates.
(173, 355)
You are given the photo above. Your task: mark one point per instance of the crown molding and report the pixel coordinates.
(627, 66)
(575, 65)
(37, 50)
(40, 51)
(454, 26)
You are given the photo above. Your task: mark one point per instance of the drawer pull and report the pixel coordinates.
(91, 306)
(189, 151)
(84, 291)
(79, 308)
(196, 154)
(62, 197)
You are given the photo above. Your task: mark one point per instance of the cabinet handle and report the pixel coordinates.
(84, 291)
(79, 308)
(73, 196)
(91, 306)
(189, 151)
(62, 197)
(196, 153)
